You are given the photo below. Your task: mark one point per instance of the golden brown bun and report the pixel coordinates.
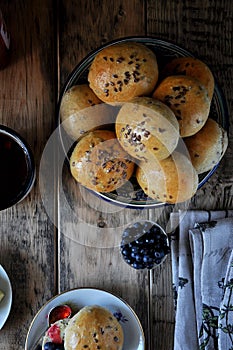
(94, 327)
(122, 71)
(188, 99)
(207, 147)
(192, 67)
(144, 126)
(82, 111)
(99, 163)
(171, 180)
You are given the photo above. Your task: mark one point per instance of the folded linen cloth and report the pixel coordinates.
(202, 264)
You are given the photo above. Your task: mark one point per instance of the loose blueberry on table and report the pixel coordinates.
(144, 245)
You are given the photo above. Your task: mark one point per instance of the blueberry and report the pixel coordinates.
(147, 240)
(139, 241)
(125, 250)
(139, 257)
(133, 255)
(159, 254)
(129, 261)
(150, 266)
(145, 250)
(158, 261)
(138, 265)
(147, 259)
(163, 240)
(135, 249)
(53, 346)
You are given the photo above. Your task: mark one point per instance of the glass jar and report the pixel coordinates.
(4, 43)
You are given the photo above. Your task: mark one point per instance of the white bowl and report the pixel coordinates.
(77, 299)
(5, 304)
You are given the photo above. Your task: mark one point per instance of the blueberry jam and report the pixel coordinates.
(144, 245)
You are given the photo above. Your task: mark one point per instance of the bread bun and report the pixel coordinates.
(82, 111)
(122, 71)
(94, 327)
(147, 126)
(171, 180)
(192, 67)
(99, 163)
(188, 99)
(207, 147)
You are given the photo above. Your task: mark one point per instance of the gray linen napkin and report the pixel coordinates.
(201, 249)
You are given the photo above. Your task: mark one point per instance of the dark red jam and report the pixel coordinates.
(59, 313)
(13, 171)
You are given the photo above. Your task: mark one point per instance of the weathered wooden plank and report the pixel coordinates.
(204, 28)
(86, 25)
(98, 263)
(27, 103)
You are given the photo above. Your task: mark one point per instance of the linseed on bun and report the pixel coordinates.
(207, 147)
(82, 111)
(94, 327)
(122, 71)
(99, 163)
(171, 180)
(147, 126)
(188, 99)
(192, 67)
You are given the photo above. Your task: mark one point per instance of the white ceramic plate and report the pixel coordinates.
(78, 298)
(5, 304)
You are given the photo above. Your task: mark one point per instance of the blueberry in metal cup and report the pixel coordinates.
(17, 173)
(144, 245)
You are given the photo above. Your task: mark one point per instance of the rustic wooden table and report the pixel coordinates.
(48, 39)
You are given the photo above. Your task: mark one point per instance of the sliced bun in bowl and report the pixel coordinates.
(192, 67)
(94, 327)
(171, 180)
(207, 147)
(99, 163)
(188, 99)
(146, 126)
(122, 71)
(82, 111)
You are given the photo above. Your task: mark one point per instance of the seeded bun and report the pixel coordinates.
(147, 126)
(207, 147)
(192, 67)
(188, 99)
(99, 163)
(122, 71)
(94, 327)
(171, 180)
(82, 111)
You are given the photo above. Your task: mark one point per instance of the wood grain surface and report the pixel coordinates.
(27, 104)
(52, 248)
